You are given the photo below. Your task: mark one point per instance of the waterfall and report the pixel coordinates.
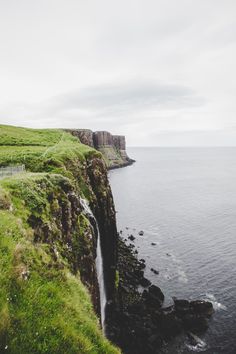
(99, 261)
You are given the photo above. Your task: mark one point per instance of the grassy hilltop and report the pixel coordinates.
(44, 238)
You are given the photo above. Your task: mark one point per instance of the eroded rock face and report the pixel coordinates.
(112, 147)
(119, 142)
(67, 231)
(84, 135)
(102, 139)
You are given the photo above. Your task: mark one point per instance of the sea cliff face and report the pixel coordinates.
(49, 288)
(112, 147)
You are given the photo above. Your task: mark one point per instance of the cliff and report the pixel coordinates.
(49, 294)
(52, 245)
(112, 147)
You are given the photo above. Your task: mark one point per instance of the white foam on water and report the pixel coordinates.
(182, 277)
(216, 305)
(199, 345)
(196, 348)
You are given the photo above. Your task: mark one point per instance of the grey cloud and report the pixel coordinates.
(136, 67)
(129, 98)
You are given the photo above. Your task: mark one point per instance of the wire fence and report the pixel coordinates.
(11, 170)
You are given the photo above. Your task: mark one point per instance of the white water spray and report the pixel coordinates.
(99, 262)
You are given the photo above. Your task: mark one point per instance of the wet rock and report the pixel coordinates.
(154, 271)
(181, 306)
(153, 297)
(142, 265)
(124, 288)
(195, 323)
(195, 340)
(154, 340)
(131, 238)
(156, 291)
(142, 260)
(147, 324)
(144, 282)
(202, 307)
(170, 325)
(138, 273)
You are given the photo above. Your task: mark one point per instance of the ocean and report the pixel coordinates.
(184, 199)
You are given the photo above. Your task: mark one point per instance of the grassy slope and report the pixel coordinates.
(44, 307)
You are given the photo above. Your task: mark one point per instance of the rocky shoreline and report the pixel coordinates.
(139, 323)
(124, 164)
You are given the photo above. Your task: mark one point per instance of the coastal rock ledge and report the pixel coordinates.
(112, 147)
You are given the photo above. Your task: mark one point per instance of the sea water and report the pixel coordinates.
(184, 199)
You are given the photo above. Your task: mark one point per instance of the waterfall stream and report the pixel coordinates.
(99, 261)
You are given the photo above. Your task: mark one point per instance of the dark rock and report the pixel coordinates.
(202, 307)
(146, 324)
(170, 325)
(154, 341)
(153, 297)
(124, 288)
(142, 265)
(182, 306)
(141, 233)
(153, 244)
(138, 273)
(156, 291)
(195, 323)
(144, 282)
(131, 238)
(137, 308)
(154, 271)
(195, 340)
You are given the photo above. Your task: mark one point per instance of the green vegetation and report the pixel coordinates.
(117, 279)
(42, 150)
(15, 136)
(111, 156)
(46, 150)
(44, 307)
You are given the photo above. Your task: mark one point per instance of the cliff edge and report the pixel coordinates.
(112, 147)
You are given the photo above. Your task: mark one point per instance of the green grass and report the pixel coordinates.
(50, 311)
(44, 307)
(16, 136)
(37, 148)
(46, 150)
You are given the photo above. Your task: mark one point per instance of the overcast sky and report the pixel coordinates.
(162, 72)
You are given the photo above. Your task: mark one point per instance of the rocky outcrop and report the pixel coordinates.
(112, 147)
(84, 135)
(140, 323)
